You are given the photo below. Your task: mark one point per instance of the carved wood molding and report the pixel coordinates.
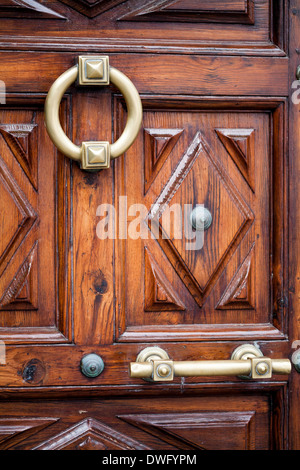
(15, 430)
(158, 144)
(159, 294)
(22, 140)
(18, 295)
(27, 9)
(239, 143)
(21, 203)
(90, 434)
(191, 430)
(92, 8)
(238, 294)
(192, 11)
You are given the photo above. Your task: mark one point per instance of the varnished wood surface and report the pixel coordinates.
(200, 76)
(214, 77)
(141, 424)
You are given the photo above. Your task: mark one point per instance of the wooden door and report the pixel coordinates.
(221, 129)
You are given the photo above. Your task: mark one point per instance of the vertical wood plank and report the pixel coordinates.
(294, 224)
(93, 258)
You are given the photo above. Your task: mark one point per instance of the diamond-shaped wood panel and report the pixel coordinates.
(199, 178)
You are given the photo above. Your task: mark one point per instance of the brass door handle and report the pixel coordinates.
(90, 71)
(247, 361)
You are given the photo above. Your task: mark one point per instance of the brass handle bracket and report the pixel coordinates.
(247, 361)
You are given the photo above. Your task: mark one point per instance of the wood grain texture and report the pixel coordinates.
(218, 75)
(35, 258)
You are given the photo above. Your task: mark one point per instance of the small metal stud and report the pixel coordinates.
(92, 365)
(163, 371)
(95, 155)
(261, 368)
(93, 70)
(201, 218)
(296, 360)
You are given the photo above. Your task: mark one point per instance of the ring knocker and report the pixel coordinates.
(93, 70)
